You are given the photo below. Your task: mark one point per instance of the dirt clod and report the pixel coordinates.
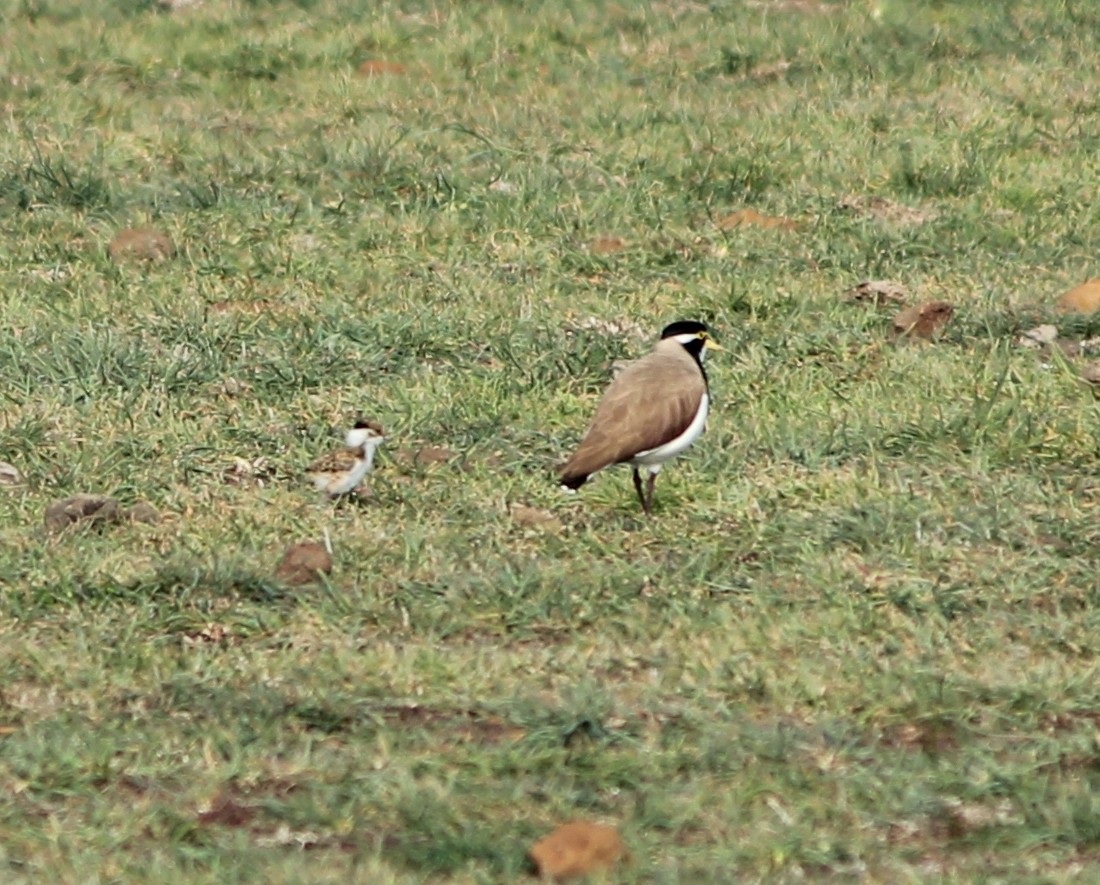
(304, 563)
(606, 245)
(923, 320)
(529, 517)
(1081, 299)
(576, 849)
(140, 244)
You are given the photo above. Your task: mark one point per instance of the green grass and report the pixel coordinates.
(858, 640)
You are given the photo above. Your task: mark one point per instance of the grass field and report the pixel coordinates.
(857, 641)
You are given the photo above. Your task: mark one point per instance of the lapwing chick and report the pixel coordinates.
(341, 471)
(652, 411)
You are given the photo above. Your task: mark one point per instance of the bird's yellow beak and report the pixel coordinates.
(711, 344)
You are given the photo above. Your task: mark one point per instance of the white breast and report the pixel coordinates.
(655, 457)
(341, 485)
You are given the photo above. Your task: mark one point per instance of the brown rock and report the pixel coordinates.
(304, 563)
(577, 849)
(923, 320)
(140, 244)
(89, 509)
(1081, 299)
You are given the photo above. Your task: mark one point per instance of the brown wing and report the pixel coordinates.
(335, 461)
(650, 403)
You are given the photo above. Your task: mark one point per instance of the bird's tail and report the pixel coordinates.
(573, 481)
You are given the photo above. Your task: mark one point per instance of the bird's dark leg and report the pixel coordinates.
(638, 489)
(649, 492)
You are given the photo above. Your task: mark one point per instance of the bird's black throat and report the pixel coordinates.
(695, 348)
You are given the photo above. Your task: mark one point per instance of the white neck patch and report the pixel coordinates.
(687, 338)
(360, 436)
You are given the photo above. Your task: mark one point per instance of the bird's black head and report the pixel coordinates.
(693, 335)
(365, 432)
(684, 327)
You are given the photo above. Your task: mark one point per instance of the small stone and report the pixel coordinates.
(1039, 337)
(141, 244)
(1091, 374)
(304, 563)
(89, 509)
(1045, 339)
